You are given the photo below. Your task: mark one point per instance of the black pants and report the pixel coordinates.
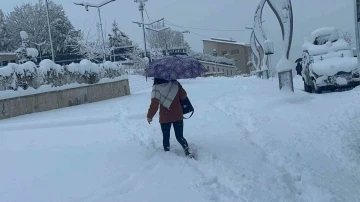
(178, 128)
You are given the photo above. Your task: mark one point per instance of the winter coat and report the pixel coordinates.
(174, 113)
(298, 68)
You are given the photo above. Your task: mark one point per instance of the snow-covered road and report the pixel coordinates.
(253, 143)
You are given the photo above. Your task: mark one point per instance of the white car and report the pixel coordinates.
(328, 62)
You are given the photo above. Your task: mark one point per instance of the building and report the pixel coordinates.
(218, 69)
(6, 58)
(240, 52)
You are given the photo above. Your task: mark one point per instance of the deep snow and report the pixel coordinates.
(253, 143)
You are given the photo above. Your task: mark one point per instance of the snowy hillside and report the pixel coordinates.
(253, 143)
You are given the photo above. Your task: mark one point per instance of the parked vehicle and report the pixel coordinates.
(328, 62)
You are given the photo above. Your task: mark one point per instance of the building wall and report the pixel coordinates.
(7, 58)
(240, 53)
(17, 106)
(216, 68)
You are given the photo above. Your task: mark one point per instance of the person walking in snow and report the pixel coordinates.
(167, 95)
(299, 68)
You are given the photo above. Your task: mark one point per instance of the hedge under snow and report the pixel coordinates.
(15, 76)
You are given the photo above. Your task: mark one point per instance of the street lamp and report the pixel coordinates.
(48, 21)
(39, 47)
(98, 6)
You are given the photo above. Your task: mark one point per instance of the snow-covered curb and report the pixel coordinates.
(8, 94)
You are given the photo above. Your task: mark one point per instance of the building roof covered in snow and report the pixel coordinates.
(227, 41)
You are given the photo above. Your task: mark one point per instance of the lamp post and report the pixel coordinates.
(50, 36)
(39, 46)
(98, 6)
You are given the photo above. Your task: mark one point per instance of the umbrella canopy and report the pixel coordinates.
(175, 67)
(298, 60)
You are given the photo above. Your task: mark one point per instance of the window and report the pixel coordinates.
(13, 61)
(213, 69)
(224, 53)
(218, 69)
(227, 72)
(208, 68)
(234, 52)
(4, 63)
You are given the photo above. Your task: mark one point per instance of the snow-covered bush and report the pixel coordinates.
(51, 73)
(210, 58)
(111, 70)
(7, 78)
(48, 73)
(85, 71)
(26, 75)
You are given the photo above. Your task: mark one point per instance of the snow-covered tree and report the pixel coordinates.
(348, 37)
(117, 38)
(32, 19)
(4, 35)
(165, 39)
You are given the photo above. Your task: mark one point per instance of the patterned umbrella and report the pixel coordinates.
(175, 67)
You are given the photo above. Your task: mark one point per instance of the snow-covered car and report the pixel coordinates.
(328, 62)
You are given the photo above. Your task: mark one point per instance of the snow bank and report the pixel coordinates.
(334, 65)
(284, 65)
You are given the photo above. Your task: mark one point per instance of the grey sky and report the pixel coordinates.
(212, 14)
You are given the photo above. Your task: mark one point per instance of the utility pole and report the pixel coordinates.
(48, 21)
(98, 6)
(141, 9)
(102, 35)
(142, 23)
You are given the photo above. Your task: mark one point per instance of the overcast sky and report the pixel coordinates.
(211, 14)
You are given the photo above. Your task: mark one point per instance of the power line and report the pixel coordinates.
(185, 29)
(218, 30)
(147, 15)
(208, 29)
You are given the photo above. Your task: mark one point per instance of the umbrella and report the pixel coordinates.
(298, 60)
(175, 67)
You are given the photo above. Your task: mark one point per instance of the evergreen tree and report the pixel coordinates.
(118, 38)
